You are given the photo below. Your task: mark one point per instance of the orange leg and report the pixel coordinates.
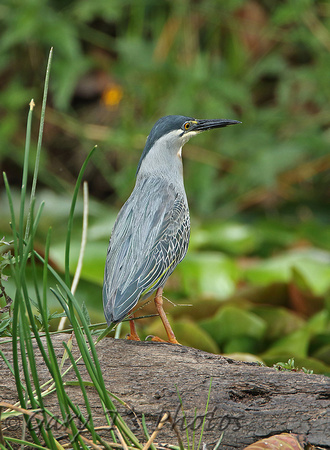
(159, 305)
(133, 336)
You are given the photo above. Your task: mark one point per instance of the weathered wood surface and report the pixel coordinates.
(247, 402)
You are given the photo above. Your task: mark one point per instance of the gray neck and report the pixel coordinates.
(163, 161)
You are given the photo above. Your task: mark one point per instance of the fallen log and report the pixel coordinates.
(246, 402)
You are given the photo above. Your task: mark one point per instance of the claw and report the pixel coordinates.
(158, 339)
(132, 337)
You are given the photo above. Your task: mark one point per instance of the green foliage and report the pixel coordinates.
(263, 63)
(257, 273)
(232, 322)
(290, 366)
(208, 275)
(294, 265)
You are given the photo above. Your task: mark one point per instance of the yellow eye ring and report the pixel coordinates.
(186, 126)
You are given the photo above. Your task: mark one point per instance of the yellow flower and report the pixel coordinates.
(112, 95)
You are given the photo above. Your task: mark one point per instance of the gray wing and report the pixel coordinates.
(150, 237)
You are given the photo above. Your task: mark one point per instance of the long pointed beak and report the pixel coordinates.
(203, 125)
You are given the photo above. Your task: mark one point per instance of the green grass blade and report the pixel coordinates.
(25, 175)
(70, 220)
(90, 423)
(26, 444)
(29, 389)
(10, 367)
(204, 420)
(194, 429)
(30, 373)
(35, 280)
(41, 129)
(146, 433)
(105, 332)
(93, 369)
(24, 365)
(12, 213)
(27, 351)
(50, 361)
(91, 361)
(184, 416)
(44, 307)
(63, 304)
(23, 289)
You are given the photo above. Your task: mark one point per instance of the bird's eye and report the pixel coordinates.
(186, 126)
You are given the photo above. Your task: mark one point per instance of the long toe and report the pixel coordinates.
(173, 341)
(133, 337)
(158, 339)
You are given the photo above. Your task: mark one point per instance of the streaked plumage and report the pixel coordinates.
(149, 239)
(151, 233)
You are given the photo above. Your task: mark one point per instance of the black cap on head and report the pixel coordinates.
(163, 126)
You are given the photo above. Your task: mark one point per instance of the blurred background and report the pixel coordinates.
(257, 274)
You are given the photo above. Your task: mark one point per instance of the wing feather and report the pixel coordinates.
(150, 237)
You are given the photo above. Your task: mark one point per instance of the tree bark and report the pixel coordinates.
(247, 402)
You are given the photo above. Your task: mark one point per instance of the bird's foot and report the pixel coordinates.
(158, 339)
(133, 337)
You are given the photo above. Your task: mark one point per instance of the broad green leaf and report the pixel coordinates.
(294, 345)
(189, 333)
(312, 275)
(280, 321)
(323, 353)
(245, 344)
(208, 275)
(234, 238)
(194, 308)
(280, 268)
(232, 322)
(319, 323)
(271, 294)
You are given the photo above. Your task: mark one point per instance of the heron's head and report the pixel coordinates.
(170, 133)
